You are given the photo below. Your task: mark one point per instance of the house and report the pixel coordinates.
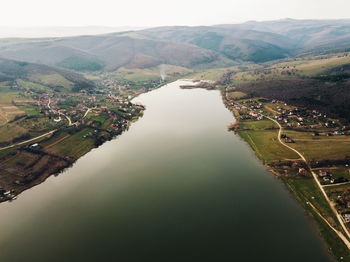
(253, 114)
(323, 173)
(346, 218)
(302, 171)
(326, 178)
(58, 119)
(288, 140)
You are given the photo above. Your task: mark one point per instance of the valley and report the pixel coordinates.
(286, 83)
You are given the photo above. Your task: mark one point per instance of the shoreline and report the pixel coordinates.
(324, 229)
(53, 164)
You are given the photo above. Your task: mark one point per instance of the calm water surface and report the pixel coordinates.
(175, 187)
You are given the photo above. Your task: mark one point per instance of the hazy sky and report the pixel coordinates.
(162, 12)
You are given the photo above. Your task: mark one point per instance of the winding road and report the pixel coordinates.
(314, 175)
(48, 133)
(58, 112)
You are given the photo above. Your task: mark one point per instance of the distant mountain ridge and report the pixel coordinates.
(190, 47)
(60, 31)
(110, 51)
(304, 33)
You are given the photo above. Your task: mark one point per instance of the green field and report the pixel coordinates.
(305, 190)
(151, 74)
(256, 125)
(11, 131)
(309, 67)
(70, 145)
(267, 146)
(236, 95)
(52, 80)
(213, 74)
(33, 86)
(32, 126)
(6, 152)
(7, 97)
(320, 147)
(30, 110)
(319, 66)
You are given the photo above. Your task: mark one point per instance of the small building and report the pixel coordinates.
(346, 218)
(302, 171)
(58, 119)
(327, 178)
(323, 173)
(288, 140)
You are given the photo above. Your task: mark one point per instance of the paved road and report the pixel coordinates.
(29, 140)
(338, 184)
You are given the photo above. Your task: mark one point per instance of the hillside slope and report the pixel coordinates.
(305, 34)
(248, 45)
(189, 47)
(106, 51)
(316, 82)
(41, 77)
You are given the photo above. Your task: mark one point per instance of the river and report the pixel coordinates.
(177, 186)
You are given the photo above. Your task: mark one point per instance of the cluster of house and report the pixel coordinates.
(112, 84)
(300, 166)
(299, 118)
(250, 109)
(56, 107)
(307, 119)
(292, 117)
(327, 178)
(343, 200)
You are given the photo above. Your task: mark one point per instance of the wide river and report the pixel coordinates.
(177, 186)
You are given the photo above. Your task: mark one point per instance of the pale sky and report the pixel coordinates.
(161, 12)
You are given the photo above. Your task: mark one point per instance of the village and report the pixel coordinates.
(308, 130)
(63, 127)
(111, 83)
(290, 116)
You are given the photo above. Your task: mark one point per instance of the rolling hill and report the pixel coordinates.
(304, 34)
(188, 47)
(320, 82)
(41, 77)
(106, 51)
(235, 44)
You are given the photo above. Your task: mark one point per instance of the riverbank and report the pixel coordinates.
(30, 163)
(175, 183)
(90, 120)
(263, 135)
